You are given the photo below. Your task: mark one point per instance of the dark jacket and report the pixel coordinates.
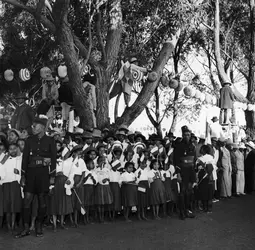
(23, 117)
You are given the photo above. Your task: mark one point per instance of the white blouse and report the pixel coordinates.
(89, 181)
(2, 174)
(78, 166)
(155, 173)
(144, 176)
(114, 176)
(102, 174)
(9, 166)
(127, 177)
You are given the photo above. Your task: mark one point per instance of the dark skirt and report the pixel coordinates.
(143, 195)
(157, 193)
(116, 193)
(174, 186)
(60, 203)
(1, 201)
(80, 193)
(103, 195)
(205, 190)
(129, 195)
(168, 188)
(89, 195)
(12, 197)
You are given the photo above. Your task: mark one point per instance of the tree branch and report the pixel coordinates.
(114, 35)
(153, 122)
(99, 35)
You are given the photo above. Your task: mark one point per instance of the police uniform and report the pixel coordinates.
(38, 163)
(184, 161)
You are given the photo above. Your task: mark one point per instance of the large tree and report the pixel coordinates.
(80, 27)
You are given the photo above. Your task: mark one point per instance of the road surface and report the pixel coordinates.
(230, 226)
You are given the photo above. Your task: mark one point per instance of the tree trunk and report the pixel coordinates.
(131, 113)
(220, 67)
(65, 39)
(249, 115)
(102, 113)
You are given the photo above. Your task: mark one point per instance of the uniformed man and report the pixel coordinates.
(184, 161)
(38, 170)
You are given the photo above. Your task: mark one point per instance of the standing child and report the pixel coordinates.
(143, 189)
(11, 186)
(78, 173)
(103, 194)
(168, 209)
(2, 175)
(90, 181)
(157, 189)
(205, 178)
(61, 199)
(115, 188)
(129, 189)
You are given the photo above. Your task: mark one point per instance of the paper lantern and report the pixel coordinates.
(180, 86)
(62, 71)
(152, 76)
(244, 106)
(187, 91)
(250, 107)
(44, 72)
(24, 75)
(202, 97)
(208, 99)
(198, 94)
(8, 75)
(164, 81)
(236, 105)
(214, 100)
(173, 83)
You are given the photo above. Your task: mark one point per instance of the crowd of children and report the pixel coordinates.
(102, 175)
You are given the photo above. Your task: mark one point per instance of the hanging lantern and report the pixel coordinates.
(24, 75)
(202, 97)
(152, 76)
(198, 94)
(44, 72)
(187, 91)
(214, 100)
(62, 71)
(164, 81)
(180, 86)
(8, 75)
(249, 107)
(208, 99)
(244, 106)
(173, 83)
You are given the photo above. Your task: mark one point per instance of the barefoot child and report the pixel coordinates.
(129, 189)
(11, 186)
(143, 189)
(103, 194)
(90, 181)
(157, 189)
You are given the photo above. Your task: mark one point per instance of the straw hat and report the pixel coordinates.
(250, 144)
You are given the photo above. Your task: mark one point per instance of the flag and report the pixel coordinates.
(142, 158)
(85, 147)
(83, 211)
(161, 150)
(154, 151)
(116, 164)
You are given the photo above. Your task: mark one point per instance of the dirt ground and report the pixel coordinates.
(230, 226)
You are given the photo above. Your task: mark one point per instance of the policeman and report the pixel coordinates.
(38, 170)
(184, 161)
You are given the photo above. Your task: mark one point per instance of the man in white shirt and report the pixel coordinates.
(215, 128)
